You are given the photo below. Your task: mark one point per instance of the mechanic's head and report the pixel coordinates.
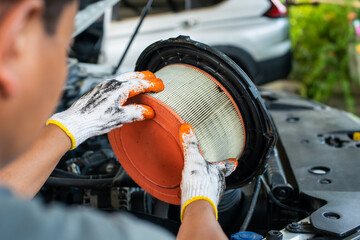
(34, 38)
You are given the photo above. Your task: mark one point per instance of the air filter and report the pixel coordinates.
(206, 89)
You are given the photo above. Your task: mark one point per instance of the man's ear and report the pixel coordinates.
(12, 42)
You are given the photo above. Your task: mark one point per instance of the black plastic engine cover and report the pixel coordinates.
(324, 158)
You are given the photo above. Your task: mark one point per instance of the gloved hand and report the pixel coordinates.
(101, 109)
(201, 180)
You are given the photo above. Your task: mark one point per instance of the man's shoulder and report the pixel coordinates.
(4, 192)
(25, 219)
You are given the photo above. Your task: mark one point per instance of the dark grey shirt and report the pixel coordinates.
(24, 219)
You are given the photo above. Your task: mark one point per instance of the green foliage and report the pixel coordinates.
(321, 36)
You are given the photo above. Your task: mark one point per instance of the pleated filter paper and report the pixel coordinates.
(199, 101)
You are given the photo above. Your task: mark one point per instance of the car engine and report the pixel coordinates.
(310, 188)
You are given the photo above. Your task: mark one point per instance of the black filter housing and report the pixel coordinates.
(259, 128)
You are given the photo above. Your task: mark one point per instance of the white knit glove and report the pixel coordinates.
(201, 180)
(101, 109)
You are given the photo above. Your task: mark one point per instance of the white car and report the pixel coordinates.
(253, 33)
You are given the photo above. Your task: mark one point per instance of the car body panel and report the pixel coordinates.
(231, 23)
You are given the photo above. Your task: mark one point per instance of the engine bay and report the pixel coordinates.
(310, 188)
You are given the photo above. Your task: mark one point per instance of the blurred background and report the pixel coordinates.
(325, 38)
(305, 47)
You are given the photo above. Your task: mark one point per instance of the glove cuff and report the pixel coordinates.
(67, 132)
(191, 200)
(75, 127)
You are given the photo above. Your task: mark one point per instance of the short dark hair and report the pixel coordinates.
(52, 11)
